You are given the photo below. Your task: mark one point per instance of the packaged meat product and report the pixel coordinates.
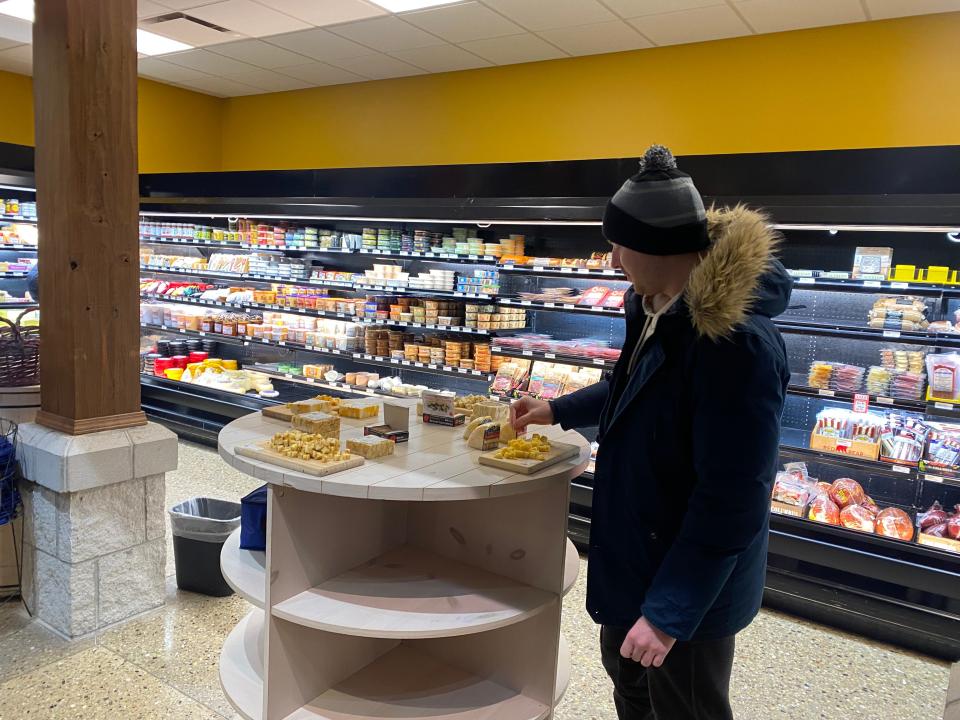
(797, 469)
(895, 523)
(614, 299)
(944, 372)
(953, 524)
(869, 504)
(934, 515)
(855, 517)
(846, 491)
(823, 510)
(789, 489)
(936, 530)
(594, 296)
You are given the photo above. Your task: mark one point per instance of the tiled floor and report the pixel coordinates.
(164, 664)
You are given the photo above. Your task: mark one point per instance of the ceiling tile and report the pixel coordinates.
(690, 26)
(533, 14)
(327, 12)
(8, 44)
(209, 62)
(259, 53)
(221, 87)
(636, 8)
(15, 29)
(441, 58)
(605, 37)
(460, 23)
(378, 66)
(162, 70)
(148, 8)
(184, 4)
(269, 81)
(248, 17)
(513, 49)
(191, 33)
(386, 34)
(318, 73)
(19, 53)
(768, 16)
(880, 9)
(319, 44)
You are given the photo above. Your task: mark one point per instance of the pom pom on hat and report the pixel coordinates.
(657, 158)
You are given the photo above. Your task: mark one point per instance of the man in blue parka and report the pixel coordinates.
(689, 426)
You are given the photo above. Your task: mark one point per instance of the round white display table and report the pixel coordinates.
(419, 585)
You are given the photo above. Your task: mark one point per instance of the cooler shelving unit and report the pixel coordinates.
(420, 585)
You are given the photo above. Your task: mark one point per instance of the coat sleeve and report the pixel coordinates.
(582, 408)
(738, 394)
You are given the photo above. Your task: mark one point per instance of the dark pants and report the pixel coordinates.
(692, 684)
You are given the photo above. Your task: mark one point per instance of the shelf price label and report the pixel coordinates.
(861, 402)
(550, 356)
(891, 333)
(899, 285)
(806, 281)
(945, 406)
(599, 361)
(902, 469)
(825, 393)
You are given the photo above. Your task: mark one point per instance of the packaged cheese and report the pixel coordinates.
(474, 424)
(485, 436)
(370, 446)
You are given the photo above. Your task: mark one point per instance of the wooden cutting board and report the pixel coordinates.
(262, 451)
(558, 451)
(278, 412)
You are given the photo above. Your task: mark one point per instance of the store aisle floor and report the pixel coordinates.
(164, 664)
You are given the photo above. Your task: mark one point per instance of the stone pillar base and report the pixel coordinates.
(94, 549)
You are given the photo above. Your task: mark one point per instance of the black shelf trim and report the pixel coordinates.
(567, 272)
(865, 333)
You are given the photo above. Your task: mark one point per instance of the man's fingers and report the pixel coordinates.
(658, 660)
(626, 650)
(647, 658)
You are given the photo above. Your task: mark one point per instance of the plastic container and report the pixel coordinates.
(200, 528)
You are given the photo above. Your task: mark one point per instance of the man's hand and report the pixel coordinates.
(529, 411)
(646, 644)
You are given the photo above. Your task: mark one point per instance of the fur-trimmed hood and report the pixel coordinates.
(738, 275)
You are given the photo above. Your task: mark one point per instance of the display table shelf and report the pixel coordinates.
(418, 585)
(241, 666)
(244, 570)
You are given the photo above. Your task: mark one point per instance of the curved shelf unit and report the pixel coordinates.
(408, 683)
(244, 570)
(241, 666)
(410, 593)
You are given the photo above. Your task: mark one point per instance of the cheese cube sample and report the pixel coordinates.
(359, 409)
(370, 447)
(318, 423)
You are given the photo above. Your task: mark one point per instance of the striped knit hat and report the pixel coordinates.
(659, 210)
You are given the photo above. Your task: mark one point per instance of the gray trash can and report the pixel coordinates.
(200, 528)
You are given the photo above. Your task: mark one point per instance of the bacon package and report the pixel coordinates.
(594, 296)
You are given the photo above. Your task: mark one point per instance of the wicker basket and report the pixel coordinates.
(19, 354)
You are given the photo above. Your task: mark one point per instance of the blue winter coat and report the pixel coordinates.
(688, 446)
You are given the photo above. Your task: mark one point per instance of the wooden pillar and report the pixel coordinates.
(85, 101)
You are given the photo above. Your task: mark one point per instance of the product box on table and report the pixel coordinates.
(396, 426)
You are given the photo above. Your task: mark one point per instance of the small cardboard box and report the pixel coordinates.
(839, 446)
(948, 544)
(396, 425)
(453, 421)
(872, 262)
(782, 508)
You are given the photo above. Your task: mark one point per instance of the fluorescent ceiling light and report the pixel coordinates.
(150, 43)
(22, 9)
(404, 5)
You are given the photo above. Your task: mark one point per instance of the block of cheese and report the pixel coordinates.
(507, 433)
(370, 446)
(485, 436)
(318, 423)
(474, 424)
(307, 406)
(359, 409)
(496, 410)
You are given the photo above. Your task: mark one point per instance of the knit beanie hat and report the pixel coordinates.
(658, 211)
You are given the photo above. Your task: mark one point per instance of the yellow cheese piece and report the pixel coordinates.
(319, 423)
(370, 446)
(306, 446)
(358, 409)
(485, 436)
(474, 424)
(507, 433)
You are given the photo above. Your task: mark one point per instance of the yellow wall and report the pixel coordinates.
(880, 84)
(180, 131)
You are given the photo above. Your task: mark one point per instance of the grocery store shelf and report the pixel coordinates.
(195, 333)
(854, 332)
(183, 300)
(19, 248)
(794, 442)
(189, 242)
(18, 306)
(552, 357)
(18, 274)
(558, 271)
(413, 591)
(886, 287)
(879, 401)
(11, 219)
(417, 366)
(429, 256)
(562, 307)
